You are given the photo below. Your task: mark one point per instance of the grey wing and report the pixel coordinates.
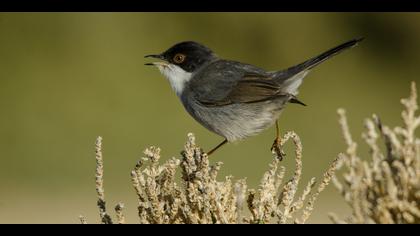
(232, 82)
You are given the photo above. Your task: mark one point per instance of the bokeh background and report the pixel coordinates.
(66, 78)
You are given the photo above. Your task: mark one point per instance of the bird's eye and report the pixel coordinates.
(179, 58)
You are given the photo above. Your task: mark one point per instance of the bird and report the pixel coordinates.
(233, 99)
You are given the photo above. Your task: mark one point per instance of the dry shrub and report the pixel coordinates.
(200, 197)
(386, 188)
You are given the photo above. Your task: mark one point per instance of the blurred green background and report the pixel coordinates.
(66, 78)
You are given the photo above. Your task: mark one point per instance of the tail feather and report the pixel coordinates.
(311, 63)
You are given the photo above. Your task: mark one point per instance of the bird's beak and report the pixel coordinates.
(159, 56)
(155, 63)
(159, 63)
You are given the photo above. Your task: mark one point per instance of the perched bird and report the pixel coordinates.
(233, 99)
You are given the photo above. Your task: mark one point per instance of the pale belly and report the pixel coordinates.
(237, 121)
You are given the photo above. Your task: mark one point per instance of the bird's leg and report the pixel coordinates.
(276, 147)
(217, 147)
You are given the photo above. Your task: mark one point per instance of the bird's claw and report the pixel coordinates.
(277, 150)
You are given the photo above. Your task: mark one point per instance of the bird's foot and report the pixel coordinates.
(277, 149)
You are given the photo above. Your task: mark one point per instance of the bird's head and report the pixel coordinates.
(180, 61)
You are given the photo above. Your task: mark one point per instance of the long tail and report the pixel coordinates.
(311, 63)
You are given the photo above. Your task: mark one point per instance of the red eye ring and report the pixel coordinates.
(179, 58)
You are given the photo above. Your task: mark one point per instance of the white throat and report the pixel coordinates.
(176, 75)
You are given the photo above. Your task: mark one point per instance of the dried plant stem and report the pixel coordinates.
(83, 220)
(105, 218)
(324, 183)
(119, 212)
(291, 187)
